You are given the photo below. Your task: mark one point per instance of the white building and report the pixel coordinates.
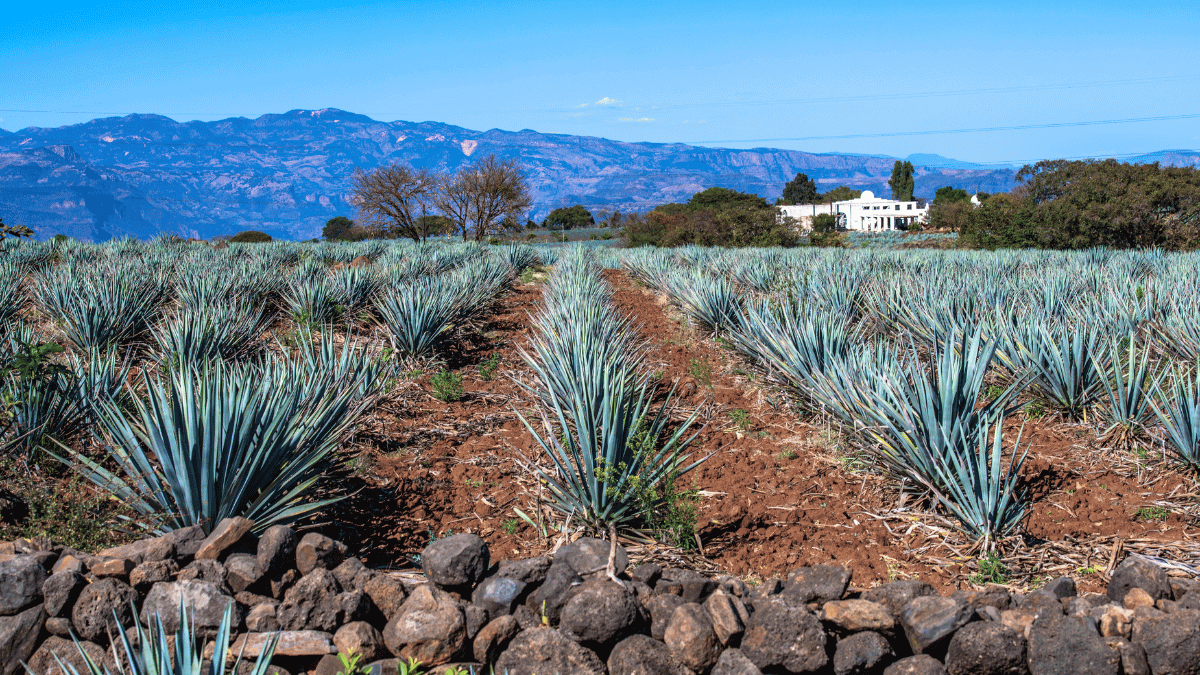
(868, 213)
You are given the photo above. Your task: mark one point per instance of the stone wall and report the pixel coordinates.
(564, 615)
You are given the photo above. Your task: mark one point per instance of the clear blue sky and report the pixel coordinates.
(717, 73)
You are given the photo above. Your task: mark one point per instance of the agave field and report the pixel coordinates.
(949, 415)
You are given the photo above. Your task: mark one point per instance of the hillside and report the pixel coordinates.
(287, 174)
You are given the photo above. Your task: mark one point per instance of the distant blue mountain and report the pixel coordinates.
(931, 161)
(287, 174)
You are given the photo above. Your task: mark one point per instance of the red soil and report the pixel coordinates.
(776, 492)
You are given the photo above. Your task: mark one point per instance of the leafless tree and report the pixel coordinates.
(395, 199)
(487, 197)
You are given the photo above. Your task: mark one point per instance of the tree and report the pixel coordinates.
(393, 198)
(949, 195)
(17, 231)
(840, 193)
(250, 237)
(800, 190)
(569, 218)
(716, 197)
(485, 197)
(825, 231)
(336, 228)
(902, 181)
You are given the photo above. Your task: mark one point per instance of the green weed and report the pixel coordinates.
(740, 418)
(1148, 514)
(487, 369)
(447, 386)
(511, 526)
(701, 370)
(991, 571)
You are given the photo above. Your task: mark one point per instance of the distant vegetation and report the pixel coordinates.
(569, 218)
(803, 190)
(715, 217)
(250, 237)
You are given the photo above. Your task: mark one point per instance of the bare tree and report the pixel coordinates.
(487, 197)
(394, 199)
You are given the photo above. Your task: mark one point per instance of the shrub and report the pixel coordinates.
(250, 237)
(447, 386)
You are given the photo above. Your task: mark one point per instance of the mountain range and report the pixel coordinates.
(142, 175)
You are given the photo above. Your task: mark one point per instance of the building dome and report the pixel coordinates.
(867, 194)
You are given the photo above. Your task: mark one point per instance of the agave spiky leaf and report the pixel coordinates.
(1128, 382)
(983, 497)
(1178, 409)
(1064, 363)
(228, 330)
(419, 318)
(711, 304)
(217, 441)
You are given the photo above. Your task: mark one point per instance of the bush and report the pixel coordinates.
(569, 218)
(447, 386)
(735, 223)
(250, 237)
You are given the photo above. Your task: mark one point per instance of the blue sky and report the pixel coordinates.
(866, 77)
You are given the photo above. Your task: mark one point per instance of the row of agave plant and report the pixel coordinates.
(922, 357)
(175, 370)
(615, 454)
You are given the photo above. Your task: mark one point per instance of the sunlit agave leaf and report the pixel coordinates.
(1177, 407)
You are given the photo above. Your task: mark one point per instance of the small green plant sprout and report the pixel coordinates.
(487, 369)
(1085, 571)
(787, 455)
(350, 665)
(473, 483)
(34, 360)
(410, 666)
(447, 386)
(1148, 514)
(991, 571)
(1035, 410)
(545, 619)
(740, 419)
(701, 370)
(511, 526)
(993, 392)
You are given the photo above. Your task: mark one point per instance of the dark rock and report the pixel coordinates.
(206, 605)
(242, 571)
(687, 584)
(59, 591)
(589, 557)
(475, 618)
(555, 591)
(152, 572)
(1043, 604)
(43, 661)
(728, 616)
(930, 620)
(21, 580)
(1069, 644)
(19, 635)
(661, 607)
(355, 606)
(387, 593)
(648, 574)
(530, 571)
(360, 637)
(820, 583)
(643, 655)
(494, 638)
(691, 638)
(187, 541)
(138, 552)
(897, 594)
(1063, 587)
(225, 536)
(526, 618)
(280, 584)
(1172, 642)
(59, 625)
(204, 570)
(733, 586)
(861, 653)
(262, 618)
(734, 662)
(986, 648)
(69, 563)
(1181, 586)
(291, 643)
(276, 550)
(782, 632)
(1138, 572)
(457, 561)
(352, 574)
(921, 664)
(541, 651)
(1133, 657)
(600, 611)
(991, 596)
(498, 595)
(316, 551)
(430, 627)
(312, 603)
(92, 614)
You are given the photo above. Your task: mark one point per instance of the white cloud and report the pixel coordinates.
(604, 101)
(639, 119)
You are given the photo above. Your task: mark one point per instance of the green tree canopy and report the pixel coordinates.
(717, 197)
(569, 218)
(840, 193)
(800, 190)
(250, 237)
(336, 228)
(17, 231)
(902, 181)
(950, 194)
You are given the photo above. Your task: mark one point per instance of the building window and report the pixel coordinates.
(910, 207)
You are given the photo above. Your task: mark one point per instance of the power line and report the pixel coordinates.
(1015, 127)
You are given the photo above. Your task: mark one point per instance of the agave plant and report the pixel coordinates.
(711, 304)
(1065, 367)
(1178, 409)
(419, 318)
(218, 330)
(37, 396)
(155, 651)
(216, 441)
(349, 363)
(355, 287)
(311, 302)
(99, 310)
(1128, 386)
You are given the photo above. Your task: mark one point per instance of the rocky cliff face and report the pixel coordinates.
(287, 174)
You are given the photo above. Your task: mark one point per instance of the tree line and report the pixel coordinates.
(483, 199)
